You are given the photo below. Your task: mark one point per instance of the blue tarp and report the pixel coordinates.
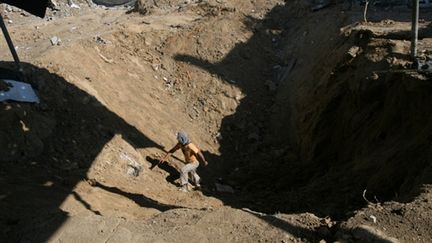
(19, 91)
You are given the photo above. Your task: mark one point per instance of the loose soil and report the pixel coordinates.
(316, 120)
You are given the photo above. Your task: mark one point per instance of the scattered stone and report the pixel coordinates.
(53, 5)
(238, 97)
(374, 76)
(155, 67)
(100, 40)
(354, 51)
(388, 22)
(73, 5)
(134, 168)
(219, 136)
(55, 41)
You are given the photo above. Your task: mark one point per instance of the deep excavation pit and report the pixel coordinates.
(299, 112)
(321, 122)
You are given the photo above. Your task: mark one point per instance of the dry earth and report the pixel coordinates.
(316, 120)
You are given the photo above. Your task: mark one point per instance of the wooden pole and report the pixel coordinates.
(414, 29)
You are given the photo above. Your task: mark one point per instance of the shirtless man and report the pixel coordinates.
(192, 156)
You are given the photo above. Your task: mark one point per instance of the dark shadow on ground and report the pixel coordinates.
(47, 148)
(63, 135)
(173, 173)
(377, 13)
(84, 203)
(297, 231)
(270, 181)
(139, 199)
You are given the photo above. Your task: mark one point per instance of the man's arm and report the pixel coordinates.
(202, 158)
(171, 151)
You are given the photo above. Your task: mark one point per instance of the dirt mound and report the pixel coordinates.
(295, 111)
(322, 151)
(180, 225)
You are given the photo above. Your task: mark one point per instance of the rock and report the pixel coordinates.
(133, 167)
(53, 5)
(374, 76)
(219, 136)
(55, 40)
(132, 171)
(73, 5)
(353, 51)
(100, 40)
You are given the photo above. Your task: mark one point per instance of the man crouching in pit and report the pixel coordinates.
(192, 154)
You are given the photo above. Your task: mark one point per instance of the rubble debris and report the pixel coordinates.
(219, 136)
(133, 167)
(55, 41)
(73, 5)
(100, 40)
(354, 51)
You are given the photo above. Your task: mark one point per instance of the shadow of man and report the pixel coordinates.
(173, 173)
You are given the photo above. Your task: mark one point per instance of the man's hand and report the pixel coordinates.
(163, 159)
(160, 161)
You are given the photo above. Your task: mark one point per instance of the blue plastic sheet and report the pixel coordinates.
(19, 91)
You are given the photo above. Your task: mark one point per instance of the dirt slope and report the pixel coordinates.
(298, 111)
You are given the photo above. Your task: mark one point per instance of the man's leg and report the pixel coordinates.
(197, 178)
(185, 170)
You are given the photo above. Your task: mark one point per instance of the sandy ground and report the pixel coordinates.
(299, 112)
